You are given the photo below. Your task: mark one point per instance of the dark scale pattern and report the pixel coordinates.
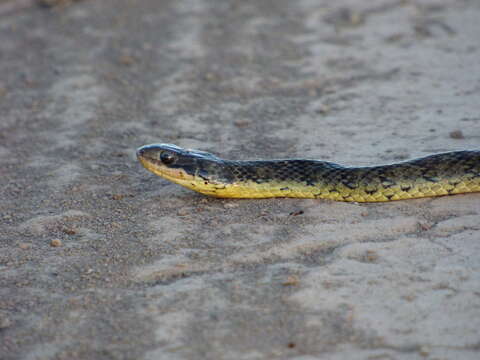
(434, 175)
(309, 172)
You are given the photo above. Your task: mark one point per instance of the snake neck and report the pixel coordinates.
(261, 179)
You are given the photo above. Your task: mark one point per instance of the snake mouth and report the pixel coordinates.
(140, 151)
(150, 156)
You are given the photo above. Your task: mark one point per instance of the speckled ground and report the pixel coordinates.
(100, 259)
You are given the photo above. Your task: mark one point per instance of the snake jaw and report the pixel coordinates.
(149, 156)
(186, 169)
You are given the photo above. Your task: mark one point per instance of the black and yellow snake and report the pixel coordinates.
(435, 175)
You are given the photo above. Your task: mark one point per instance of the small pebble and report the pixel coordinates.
(291, 280)
(424, 226)
(230, 205)
(182, 212)
(4, 322)
(56, 243)
(126, 60)
(24, 246)
(457, 134)
(324, 110)
(409, 297)
(424, 351)
(69, 231)
(296, 213)
(210, 76)
(371, 256)
(241, 123)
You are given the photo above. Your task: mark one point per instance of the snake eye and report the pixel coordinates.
(167, 158)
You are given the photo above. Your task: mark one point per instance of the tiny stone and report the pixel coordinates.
(457, 134)
(182, 212)
(69, 231)
(424, 351)
(4, 322)
(241, 123)
(394, 38)
(291, 280)
(126, 60)
(324, 110)
(24, 246)
(356, 18)
(210, 76)
(371, 256)
(409, 298)
(296, 213)
(56, 243)
(424, 226)
(230, 205)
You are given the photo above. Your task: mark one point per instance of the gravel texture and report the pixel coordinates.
(100, 259)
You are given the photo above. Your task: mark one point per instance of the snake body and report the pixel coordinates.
(434, 175)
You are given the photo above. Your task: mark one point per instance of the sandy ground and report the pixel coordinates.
(100, 259)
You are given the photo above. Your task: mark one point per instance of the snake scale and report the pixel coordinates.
(434, 175)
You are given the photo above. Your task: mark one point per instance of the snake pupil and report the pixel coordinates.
(167, 158)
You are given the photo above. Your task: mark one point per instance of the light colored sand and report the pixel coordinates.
(149, 270)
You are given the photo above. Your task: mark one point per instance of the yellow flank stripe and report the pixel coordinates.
(250, 189)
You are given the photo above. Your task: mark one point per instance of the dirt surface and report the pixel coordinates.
(100, 259)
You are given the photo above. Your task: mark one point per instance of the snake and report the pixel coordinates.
(439, 174)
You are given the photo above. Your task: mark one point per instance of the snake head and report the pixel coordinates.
(174, 163)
